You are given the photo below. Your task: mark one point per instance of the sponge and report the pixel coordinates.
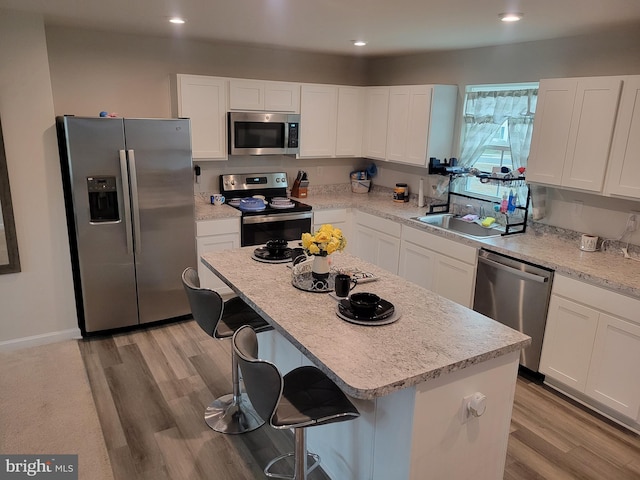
(487, 222)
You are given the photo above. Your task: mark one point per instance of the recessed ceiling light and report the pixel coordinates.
(510, 17)
(359, 43)
(177, 20)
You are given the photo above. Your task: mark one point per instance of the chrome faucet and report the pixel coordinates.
(481, 213)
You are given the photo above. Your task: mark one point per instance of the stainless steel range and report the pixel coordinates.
(278, 216)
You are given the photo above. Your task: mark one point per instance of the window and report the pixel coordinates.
(498, 121)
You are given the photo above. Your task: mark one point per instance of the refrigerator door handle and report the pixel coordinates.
(127, 200)
(137, 238)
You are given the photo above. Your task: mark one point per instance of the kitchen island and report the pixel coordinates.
(409, 379)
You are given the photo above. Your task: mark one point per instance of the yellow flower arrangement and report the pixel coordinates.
(324, 241)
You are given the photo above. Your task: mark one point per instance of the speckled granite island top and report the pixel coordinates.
(434, 336)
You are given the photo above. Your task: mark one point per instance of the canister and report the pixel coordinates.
(401, 193)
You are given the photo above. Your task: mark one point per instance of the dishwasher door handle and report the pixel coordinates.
(514, 271)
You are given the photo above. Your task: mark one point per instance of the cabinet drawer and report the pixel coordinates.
(439, 244)
(383, 225)
(597, 297)
(330, 216)
(218, 227)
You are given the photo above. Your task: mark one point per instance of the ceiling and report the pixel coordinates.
(389, 26)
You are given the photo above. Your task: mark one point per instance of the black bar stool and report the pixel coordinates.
(231, 413)
(304, 397)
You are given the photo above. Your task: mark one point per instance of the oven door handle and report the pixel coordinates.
(276, 217)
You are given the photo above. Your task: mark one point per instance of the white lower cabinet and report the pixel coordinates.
(592, 346)
(613, 375)
(435, 263)
(213, 236)
(377, 240)
(568, 342)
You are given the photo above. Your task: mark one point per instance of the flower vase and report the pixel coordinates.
(320, 267)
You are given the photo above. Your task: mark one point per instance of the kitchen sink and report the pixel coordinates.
(453, 223)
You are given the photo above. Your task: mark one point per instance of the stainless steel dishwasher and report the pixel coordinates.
(516, 294)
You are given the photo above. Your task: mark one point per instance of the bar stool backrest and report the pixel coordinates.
(206, 305)
(262, 380)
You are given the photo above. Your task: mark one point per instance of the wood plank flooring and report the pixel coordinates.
(152, 386)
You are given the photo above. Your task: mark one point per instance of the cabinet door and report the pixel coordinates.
(624, 163)
(364, 243)
(387, 252)
(378, 248)
(375, 126)
(408, 124)
(594, 117)
(204, 101)
(214, 243)
(568, 342)
(454, 280)
(246, 94)
(282, 97)
(350, 121)
(417, 264)
(613, 375)
(551, 130)
(398, 123)
(318, 110)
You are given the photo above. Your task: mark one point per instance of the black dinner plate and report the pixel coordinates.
(264, 254)
(384, 310)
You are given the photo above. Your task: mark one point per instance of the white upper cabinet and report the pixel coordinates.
(262, 95)
(350, 121)
(375, 123)
(204, 100)
(419, 124)
(331, 120)
(318, 113)
(623, 177)
(573, 129)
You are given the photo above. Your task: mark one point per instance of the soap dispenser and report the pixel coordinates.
(505, 204)
(511, 203)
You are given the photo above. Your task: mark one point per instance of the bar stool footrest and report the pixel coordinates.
(225, 415)
(314, 465)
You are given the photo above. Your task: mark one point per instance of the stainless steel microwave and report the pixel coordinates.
(262, 133)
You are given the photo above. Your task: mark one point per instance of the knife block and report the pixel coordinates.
(299, 189)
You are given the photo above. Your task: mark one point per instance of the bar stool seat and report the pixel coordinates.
(231, 413)
(304, 397)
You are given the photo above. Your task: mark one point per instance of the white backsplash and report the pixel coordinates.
(579, 212)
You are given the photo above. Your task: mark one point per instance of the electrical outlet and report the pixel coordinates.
(319, 171)
(632, 221)
(577, 208)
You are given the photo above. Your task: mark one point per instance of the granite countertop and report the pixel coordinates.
(546, 246)
(434, 336)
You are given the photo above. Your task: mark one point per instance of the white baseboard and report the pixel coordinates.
(42, 339)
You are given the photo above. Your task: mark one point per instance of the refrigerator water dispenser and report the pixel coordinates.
(103, 199)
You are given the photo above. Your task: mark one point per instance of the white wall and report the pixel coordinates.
(37, 304)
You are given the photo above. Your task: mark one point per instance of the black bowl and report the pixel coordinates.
(277, 246)
(364, 303)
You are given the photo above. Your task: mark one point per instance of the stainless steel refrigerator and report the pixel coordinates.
(128, 188)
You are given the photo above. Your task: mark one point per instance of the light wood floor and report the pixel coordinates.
(151, 388)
